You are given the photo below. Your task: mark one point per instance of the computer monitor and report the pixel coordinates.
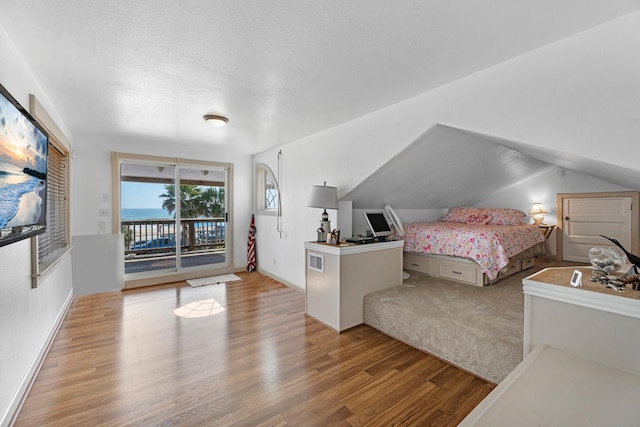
(378, 224)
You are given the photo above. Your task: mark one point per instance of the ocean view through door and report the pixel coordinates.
(174, 219)
(202, 211)
(148, 228)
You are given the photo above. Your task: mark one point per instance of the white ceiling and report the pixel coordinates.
(279, 70)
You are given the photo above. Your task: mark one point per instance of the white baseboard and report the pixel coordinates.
(281, 280)
(10, 415)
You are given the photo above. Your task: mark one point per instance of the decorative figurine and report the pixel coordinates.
(633, 280)
(633, 259)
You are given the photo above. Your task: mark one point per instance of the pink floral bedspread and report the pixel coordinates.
(488, 245)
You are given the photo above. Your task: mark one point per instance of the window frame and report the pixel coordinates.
(43, 263)
(117, 158)
(262, 172)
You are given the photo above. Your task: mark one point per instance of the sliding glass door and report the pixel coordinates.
(202, 214)
(147, 217)
(174, 218)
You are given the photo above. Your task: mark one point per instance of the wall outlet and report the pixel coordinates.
(104, 212)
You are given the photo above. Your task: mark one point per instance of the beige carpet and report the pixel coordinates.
(476, 328)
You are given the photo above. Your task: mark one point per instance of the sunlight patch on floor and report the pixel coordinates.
(202, 308)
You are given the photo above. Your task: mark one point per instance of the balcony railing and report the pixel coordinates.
(153, 236)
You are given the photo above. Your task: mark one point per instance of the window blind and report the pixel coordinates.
(54, 240)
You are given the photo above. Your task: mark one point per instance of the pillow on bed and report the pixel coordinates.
(466, 216)
(504, 216)
(481, 218)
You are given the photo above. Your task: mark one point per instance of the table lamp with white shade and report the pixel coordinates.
(538, 213)
(324, 197)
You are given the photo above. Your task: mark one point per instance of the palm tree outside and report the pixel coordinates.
(149, 209)
(195, 201)
(212, 200)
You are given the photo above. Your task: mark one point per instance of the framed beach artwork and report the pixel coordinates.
(23, 172)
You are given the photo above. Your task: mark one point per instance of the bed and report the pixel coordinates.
(473, 245)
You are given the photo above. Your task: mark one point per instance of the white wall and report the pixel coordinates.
(91, 178)
(567, 96)
(27, 315)
(544, 189)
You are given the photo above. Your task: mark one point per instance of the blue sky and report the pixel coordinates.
(141, 195)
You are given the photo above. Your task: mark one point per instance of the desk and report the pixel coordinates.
(338, 278)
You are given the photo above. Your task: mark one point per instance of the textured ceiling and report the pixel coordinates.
(279, 70)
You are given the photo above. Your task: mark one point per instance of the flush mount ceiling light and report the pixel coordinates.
(215, 120)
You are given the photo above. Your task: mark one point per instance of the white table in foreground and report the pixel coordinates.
(581, 364)
(553, 388)
(338, 278)
(592, 321)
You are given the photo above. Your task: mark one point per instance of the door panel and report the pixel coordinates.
(202, 214)
(585, 219)
(147, 218)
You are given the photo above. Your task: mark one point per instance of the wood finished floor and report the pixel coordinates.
(248, 356)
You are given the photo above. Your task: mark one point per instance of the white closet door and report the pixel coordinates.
(585, 219)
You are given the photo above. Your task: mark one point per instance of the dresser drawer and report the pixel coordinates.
(460, 273)
(527, 263)
(509, 269)
(416, 263)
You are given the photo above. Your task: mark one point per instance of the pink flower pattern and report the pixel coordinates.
(490, 246)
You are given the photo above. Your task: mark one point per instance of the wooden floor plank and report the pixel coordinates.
(126, 358)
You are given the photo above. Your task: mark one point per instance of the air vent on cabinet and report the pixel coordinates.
(316, 262)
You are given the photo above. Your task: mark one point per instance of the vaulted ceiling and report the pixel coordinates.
(279, 70)
(454, 167)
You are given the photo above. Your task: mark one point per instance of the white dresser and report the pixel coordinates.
(592, 321)
(553, 388)
(338, 278)
(581, 364)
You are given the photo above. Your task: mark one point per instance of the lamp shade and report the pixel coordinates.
(537, 209)
(324, 197)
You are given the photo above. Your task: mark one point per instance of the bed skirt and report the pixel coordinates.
(539, 249)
